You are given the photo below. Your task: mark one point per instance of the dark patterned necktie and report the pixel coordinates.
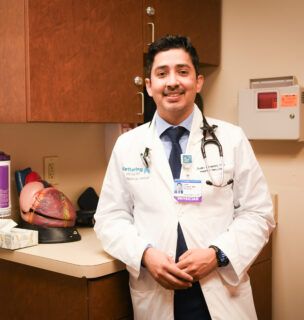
(174, 134)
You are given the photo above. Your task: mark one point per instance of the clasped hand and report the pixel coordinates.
(193, 265)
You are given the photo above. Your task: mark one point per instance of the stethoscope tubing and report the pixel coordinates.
(207, 130)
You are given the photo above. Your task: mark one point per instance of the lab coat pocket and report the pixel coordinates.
(219, 178)
(218, 187)
(150, 305)
(236, 302)
(144, 282)
(148, 298)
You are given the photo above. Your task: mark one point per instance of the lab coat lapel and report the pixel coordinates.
(159, 161)
(195, 133)
(193, 146)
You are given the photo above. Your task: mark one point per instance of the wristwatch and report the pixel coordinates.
(222, 259)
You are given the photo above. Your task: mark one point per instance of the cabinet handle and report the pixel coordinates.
(138, 81)
(150, 11)
(152, 30)
(142, 104)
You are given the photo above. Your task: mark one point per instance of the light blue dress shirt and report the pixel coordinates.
(162, 126)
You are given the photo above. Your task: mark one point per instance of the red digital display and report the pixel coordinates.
(267, 100)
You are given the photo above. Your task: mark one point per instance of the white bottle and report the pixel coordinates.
(5, 185)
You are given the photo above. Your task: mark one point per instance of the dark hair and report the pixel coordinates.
(171, 42)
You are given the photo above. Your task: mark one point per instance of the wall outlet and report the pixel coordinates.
(50, 169)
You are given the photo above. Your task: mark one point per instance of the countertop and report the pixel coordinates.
(84, 258)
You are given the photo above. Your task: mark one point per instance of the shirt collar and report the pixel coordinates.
(162, 125)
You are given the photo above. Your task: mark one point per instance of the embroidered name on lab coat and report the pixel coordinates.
(214, 167)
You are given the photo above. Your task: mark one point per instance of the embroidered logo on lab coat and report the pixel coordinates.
(136, 173)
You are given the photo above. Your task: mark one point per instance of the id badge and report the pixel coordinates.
(188, 190)
(186, 160)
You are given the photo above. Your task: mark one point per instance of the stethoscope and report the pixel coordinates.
(212, 139)
(209, 130)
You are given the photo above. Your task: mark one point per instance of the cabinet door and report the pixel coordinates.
(261, 281)
(12, 56)
(33, 293)
(109, 297)
(197, 19)
(83, 57)
(260, 278)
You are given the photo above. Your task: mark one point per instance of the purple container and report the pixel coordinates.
(5, 199)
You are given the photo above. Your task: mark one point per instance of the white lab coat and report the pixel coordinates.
(137, 208)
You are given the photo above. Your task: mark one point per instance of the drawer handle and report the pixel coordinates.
(142, 104)
(152, 31)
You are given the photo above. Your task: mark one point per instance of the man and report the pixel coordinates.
(179, 188)
(187, 256)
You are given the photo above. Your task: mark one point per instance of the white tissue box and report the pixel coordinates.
(17, 238)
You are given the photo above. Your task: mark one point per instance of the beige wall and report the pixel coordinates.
(80, 148)
(264, 38)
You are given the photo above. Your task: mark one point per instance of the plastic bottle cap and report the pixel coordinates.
(4, 156)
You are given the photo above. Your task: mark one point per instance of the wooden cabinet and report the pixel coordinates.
(76, 60)
(197, 19)
(261, 281)
(70, 61)
(12, 62)
(32, 293)
(84, 56)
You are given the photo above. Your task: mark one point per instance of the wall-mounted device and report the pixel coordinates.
(272, 109)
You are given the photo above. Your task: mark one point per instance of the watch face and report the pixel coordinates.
(222, 258)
